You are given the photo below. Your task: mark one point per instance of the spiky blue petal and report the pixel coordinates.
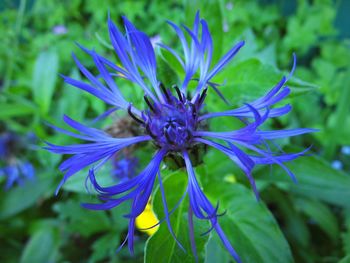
(102, 146)
(202, 207)
(133, 58)
(137, 189)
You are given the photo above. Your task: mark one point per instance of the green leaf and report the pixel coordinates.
(105, 246)
(217, 163)
(161, 247)
(248, 224)
(68, 102)
(211, 10)
(44, 79)
(103, 42)
(215, 252)
(20, 198)
(10, 110)
(316, 179)
(81, 220)
(41, 248)
(321, 214)
(166, 72)
(346, 234)
(76, 182)
(345, 259)
(294, 226)
(242, 87)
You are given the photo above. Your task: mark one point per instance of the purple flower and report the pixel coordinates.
(124, 167)
(17, 173)
(7, 142)
(173, 121)
(59, 30)
(14, 170)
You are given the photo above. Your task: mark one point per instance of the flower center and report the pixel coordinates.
(171, 124)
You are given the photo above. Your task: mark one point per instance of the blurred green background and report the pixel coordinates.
(37, 39)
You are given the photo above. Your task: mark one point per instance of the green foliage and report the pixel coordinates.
(316, 179)
(19, 199)
(11, 110)
(81, 220)
(43, 84)
(42, 247)
(256, 239)
(162, 247)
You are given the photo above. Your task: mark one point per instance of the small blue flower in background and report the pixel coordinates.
(336, 164)
(345, 150)
(6, 143)
(124, 167)
(14, 170)
(59, 30)
(17, 173)
(173, 121)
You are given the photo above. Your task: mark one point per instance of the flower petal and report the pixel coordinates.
(199, 202)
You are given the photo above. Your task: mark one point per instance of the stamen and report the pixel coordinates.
(168, 138)
(161, 85)
(202, 97)
(189, 134)
(193, 110)
(149, 103)
(150, 132)
(179, 94)
(132, 115)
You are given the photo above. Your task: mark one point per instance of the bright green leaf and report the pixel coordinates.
(44, 79)
(249, 225)
(316, 179)
(162, 247)
(215, 252)
(10, 110)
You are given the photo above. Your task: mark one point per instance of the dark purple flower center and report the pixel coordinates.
(171, 124)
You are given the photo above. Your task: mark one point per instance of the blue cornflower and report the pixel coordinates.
(172, 120)
(14, 170)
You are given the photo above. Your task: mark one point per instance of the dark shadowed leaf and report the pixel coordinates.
(321, 215)
(346, 234)
(20, 198)
(82, 221)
